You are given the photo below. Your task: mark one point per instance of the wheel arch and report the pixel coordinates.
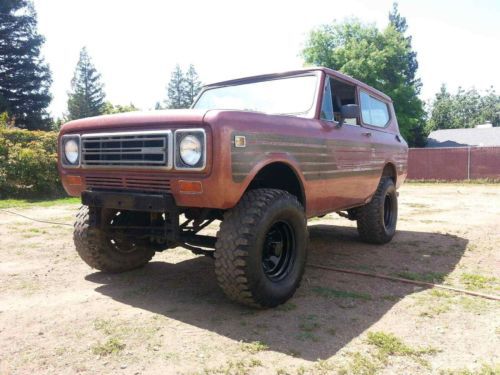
(279, 175)
(390, 171)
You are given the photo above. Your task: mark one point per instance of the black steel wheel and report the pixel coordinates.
(279, 251)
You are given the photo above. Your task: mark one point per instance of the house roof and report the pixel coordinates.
(464, 137)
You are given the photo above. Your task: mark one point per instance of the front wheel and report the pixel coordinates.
(102, 248)
(377, 219)
(261, 246)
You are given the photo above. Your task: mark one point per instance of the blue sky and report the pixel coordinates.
(135, 45)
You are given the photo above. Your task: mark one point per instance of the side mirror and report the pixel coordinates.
(348, 111)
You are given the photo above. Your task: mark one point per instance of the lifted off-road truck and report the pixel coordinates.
(259, 154)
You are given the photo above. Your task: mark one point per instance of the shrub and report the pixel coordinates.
(28, 164)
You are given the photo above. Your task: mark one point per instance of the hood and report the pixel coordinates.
(136, 120)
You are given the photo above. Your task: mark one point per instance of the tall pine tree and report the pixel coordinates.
(86, 97)
(193, 84)
(177, 90)
(399, 23)
(25, 78)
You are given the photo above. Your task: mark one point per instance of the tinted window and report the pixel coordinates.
(374, 111)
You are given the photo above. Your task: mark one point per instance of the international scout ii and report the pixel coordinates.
(259, 154)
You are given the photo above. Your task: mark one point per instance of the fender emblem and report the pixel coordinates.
(240, 141)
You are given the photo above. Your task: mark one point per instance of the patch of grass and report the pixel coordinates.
(361, 365)
(323, 367)
(484, 370)
(240, 367)
(331, 331)
(289, 306)
(111, 346)
(388, 345)
(435, 309)
(417, 205)
(474, 305)
(104, 325)
(440, 293)
(391, 298)
(22, 203)
(253, 347)
(334, 293)
(309, 323)
(475, 281)
(430, 277)
(307, 336)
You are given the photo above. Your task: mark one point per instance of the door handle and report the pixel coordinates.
(367, 134)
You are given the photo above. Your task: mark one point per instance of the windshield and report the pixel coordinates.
(288, 96)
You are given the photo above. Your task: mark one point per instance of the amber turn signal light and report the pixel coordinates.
(74, 180)
(190, 187)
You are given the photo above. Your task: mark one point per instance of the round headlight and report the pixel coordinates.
(71, 151)
(190, 150)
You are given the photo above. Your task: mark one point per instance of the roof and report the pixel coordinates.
(332, 72)
(464, 137)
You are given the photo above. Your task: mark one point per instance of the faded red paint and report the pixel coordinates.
(350, 147)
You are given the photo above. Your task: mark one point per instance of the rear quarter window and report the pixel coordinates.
(373, 111)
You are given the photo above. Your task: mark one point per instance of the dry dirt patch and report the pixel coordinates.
(59, 316)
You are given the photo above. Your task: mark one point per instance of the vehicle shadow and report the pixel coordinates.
(327, 312)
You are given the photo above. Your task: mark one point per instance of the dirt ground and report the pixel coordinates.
(58, 316)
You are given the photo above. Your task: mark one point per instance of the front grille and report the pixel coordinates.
(132, 149)
(135, 182)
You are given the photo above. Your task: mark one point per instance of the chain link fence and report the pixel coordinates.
(454, 163)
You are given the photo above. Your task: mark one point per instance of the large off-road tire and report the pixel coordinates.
(377, 219)
(100, 250)
(261, 248)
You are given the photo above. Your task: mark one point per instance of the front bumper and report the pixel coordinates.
(130, 201)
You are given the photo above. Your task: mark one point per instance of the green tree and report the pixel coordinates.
(25, 78)
(193, 84)
(86, 97)
(110, 108)
(177, 90)
(465, 109)
(383, 59)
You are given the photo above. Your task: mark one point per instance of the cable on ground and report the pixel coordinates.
(38, 221)
(407, 281)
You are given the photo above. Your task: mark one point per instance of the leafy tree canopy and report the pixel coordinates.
(86, 97)
(465, 109)
(25, 78)
(383, 59)
(110, 108)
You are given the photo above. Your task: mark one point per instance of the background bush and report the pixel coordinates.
(28, 164)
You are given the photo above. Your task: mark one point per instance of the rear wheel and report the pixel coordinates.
(261, 246)
(104, 249)
(377, 219)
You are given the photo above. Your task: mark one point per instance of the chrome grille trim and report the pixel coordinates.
(138, 149)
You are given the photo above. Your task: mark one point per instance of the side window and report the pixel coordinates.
(374, 112)
(327, 104)
(337, 93)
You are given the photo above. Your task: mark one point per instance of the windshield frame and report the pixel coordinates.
(311, 113)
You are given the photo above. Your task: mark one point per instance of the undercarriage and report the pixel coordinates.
(154, 219)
